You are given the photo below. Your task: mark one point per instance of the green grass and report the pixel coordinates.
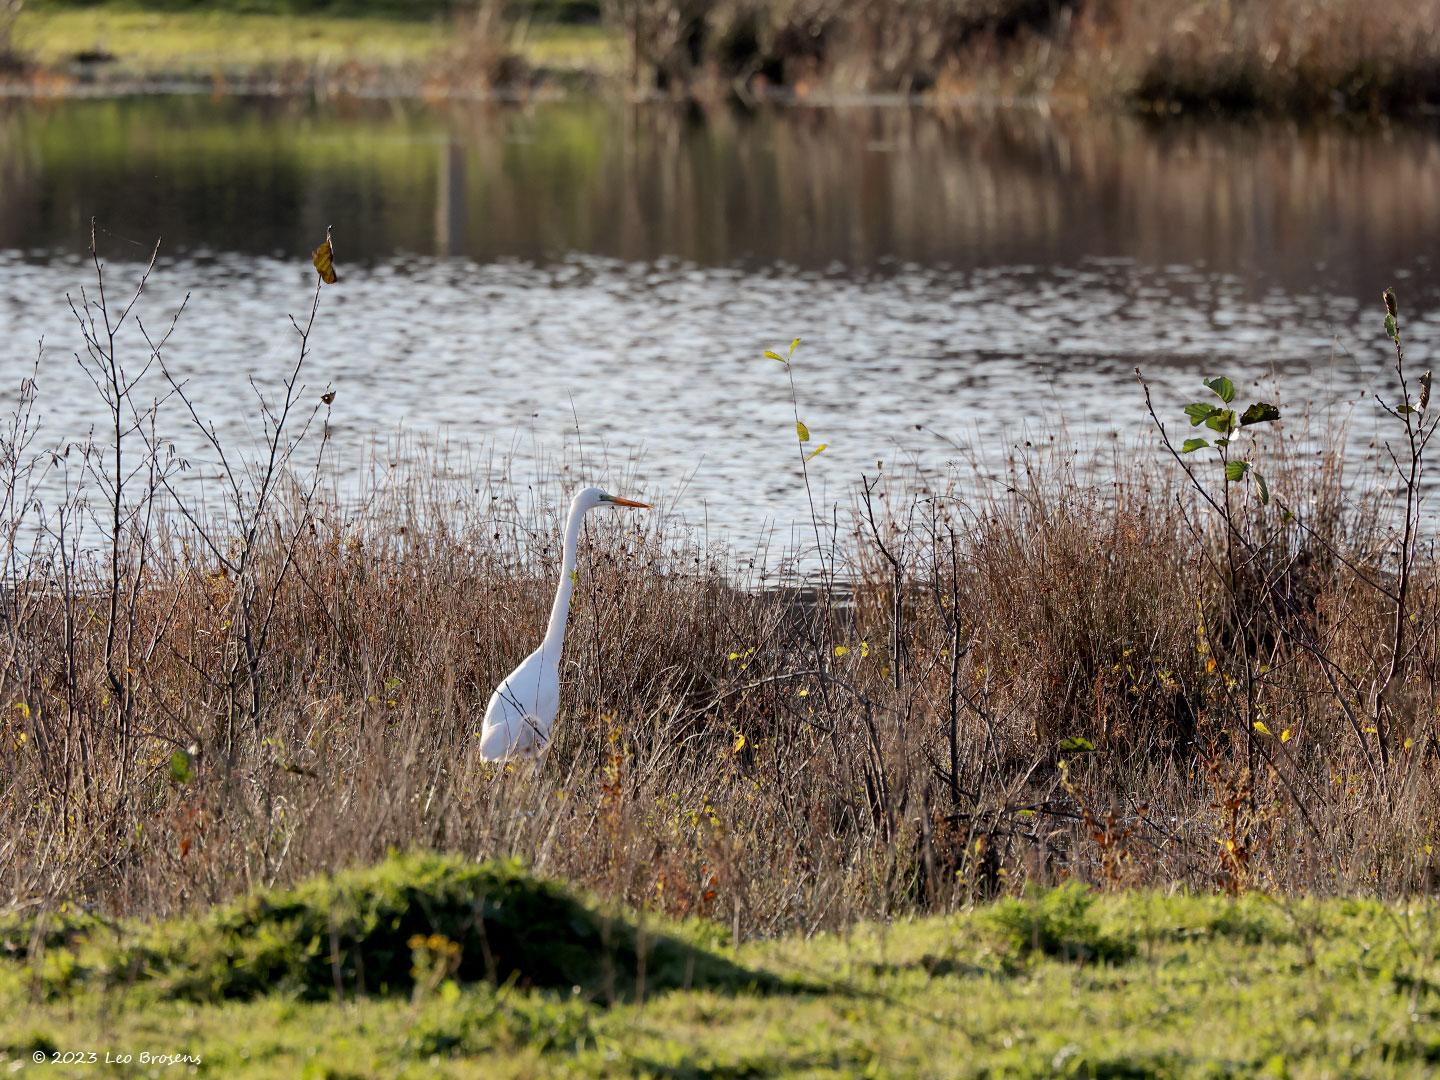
(150, 43)
(1063, 983)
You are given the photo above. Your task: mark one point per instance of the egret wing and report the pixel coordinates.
(521, 711)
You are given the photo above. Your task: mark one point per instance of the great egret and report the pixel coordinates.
(522, 709)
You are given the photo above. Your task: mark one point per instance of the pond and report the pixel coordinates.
(602, 278)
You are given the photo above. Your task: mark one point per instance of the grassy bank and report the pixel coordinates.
(120, 44)
(496, 974)
(1277, 57)
(145, 43)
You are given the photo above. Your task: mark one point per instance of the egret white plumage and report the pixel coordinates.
(522, 709)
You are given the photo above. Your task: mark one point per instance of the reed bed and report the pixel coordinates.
(1125, 672)
(1290, 56)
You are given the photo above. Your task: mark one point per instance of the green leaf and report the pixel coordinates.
(1224, 389)
(1222, 442)
(1392, 330)
(1236, 470)
(180, 771)
(1191, 445)
(813, 454)
(1261, 412)
(1076, 744)
(1264, 489)
(802, 431)
(1406, 410)
(771, 354)
(1199, 412)
(1222, 420)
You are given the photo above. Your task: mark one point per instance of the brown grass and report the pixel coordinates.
(294, 683)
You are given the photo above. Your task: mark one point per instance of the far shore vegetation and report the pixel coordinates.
(1162, 57)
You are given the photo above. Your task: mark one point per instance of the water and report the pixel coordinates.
(533, 280)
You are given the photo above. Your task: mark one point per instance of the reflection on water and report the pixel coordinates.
(810, 188)
(957, 273)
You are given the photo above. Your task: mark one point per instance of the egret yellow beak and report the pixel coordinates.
(630, 502)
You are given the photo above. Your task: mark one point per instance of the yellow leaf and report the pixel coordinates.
(771, 354)
(816, 452)
(1409, 743)
(1209, 665)
(864, 649)
(739, 743)
(1286, 735)
(803, 693)
(794, 345)
(842, 650)
(324, 259)
(1261, 728)
(802, 431)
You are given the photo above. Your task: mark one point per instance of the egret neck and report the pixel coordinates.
(559, 612)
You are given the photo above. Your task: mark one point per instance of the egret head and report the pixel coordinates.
(591, 497)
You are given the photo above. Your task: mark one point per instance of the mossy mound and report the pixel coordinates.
(378, 929)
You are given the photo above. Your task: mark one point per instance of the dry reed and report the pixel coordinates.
(1288, 56)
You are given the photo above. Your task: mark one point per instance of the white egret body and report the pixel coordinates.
(522, 709)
